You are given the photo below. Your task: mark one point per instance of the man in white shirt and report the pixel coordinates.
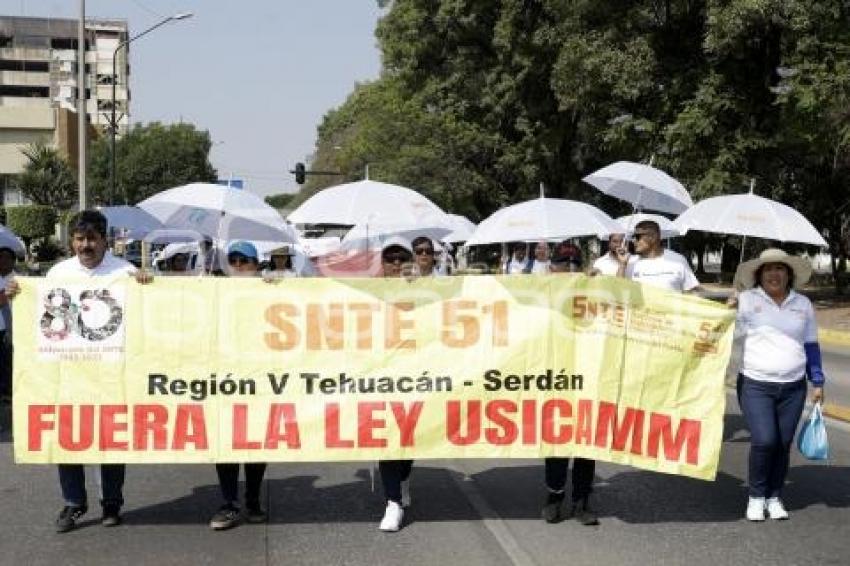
(518, 263)
(654, 265)
(91, 259)
(541, 258)
(607, 264)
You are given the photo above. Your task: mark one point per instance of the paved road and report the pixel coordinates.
(471, 512)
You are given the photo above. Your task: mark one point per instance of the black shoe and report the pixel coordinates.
(225, 518)
(254, 514)
(583, 513)
(552, 509)
(68, 517)
(111, 516)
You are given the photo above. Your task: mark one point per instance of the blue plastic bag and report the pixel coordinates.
(812, 440)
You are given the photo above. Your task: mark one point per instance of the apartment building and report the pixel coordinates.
(38, 87)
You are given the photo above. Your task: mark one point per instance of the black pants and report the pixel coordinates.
(393, 472)
(228, 481)
(583, 470)
(5, 365)
(72, 479)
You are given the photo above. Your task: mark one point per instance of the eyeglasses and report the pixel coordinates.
(423, 251)
(396, 258)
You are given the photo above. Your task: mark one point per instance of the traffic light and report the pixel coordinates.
(300, 173)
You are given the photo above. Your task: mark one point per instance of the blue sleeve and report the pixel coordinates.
(814, 366)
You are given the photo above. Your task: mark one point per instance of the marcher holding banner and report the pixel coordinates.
(395, 255)
(780, 348)
(243, 261)
(567, 259)
(91, 259)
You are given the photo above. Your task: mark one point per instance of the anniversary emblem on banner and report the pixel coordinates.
(202, 369)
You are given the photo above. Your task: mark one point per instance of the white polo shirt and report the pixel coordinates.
(669, 271)
(774, 335)
(607, 265)
(109, 265)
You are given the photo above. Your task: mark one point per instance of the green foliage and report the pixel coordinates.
(47, 178)
(279, 201)
(31, 221)
(480, 101)
(150, 158)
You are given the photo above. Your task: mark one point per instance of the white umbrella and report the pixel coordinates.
(9, 239)
(749, 215)
(644, 186)
(668, 229)
(368, 201)
(372, 235)
(135, 222)
(463, 229)
(219, 212)
(543, 219)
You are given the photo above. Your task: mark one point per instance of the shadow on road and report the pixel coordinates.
(513, 493)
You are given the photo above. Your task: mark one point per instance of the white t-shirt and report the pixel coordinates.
(606, 265)
(774, 335)
(109, 265)
(541, 267)
(515, 267)
(670, 271)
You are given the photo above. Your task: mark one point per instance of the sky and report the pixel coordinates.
(257, 74)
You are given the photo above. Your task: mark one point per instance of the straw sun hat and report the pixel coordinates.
(745, 276)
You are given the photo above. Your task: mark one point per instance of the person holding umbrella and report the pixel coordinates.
(566, 258)
(654, 265)
(242, 261)
(780, 349)
(396, 260)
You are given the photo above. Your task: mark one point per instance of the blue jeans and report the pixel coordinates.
(72, 479)
(772, 411)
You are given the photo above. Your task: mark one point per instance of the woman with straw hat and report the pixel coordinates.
(780, 350)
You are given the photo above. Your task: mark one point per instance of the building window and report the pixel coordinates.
(25, 66)
(25, 91)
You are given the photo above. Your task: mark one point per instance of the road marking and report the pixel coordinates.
(497, 527)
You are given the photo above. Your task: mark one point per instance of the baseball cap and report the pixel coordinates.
(244, 248)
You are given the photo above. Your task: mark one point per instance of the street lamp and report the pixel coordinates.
(113, 124)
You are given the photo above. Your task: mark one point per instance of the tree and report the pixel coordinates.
(279, 201)
(31, 221)
(47, 178)
(150, 158)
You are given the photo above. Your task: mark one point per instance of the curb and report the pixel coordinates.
(834, 337)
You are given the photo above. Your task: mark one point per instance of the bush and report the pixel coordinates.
(31, 221)
(3, 215)
(47, 250)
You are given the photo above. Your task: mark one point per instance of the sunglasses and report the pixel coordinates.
(239, 260)
(423, 251)
(639, 235)
(396, 258)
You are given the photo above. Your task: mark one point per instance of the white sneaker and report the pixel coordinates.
(405, 493)
(776, 510)
(392, 518)
(755, 509)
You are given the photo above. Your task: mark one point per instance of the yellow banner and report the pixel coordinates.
(204, 369)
